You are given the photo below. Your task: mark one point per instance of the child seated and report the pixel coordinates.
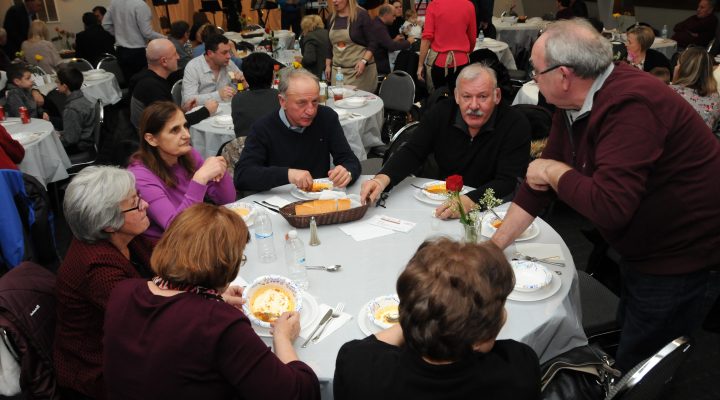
(413, 25)
(79, 117)
(20, 94)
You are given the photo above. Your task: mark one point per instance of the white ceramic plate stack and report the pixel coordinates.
(367, 322)
(351, 102)
(222, 121)
(533, 282)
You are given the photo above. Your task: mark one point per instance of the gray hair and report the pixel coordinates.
(472, 71)
(293, 74)
(92, 201)
(575, 43)
(385, 9)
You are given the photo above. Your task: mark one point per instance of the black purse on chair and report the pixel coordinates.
(582, 373)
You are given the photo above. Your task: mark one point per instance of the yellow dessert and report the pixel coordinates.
(269, 302)
(381, 314)
(241, 211)
(322, 206)
(436, 189)
(320, 186)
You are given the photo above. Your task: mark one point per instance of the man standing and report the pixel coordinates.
(295, 144)
(130, 21)
(151, 84)
(475, 136)
(386, 44)
(210, 76)
(94, 42)
(17, 22)
(698, 29)
(633, 158)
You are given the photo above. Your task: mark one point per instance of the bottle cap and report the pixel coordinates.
(292, 234)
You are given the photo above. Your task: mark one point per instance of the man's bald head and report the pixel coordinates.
(157, 49)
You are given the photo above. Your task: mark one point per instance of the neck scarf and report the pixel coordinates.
(211, 294)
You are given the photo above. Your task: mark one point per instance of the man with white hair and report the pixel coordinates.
(475, 136)
(632, 157)
(151, 84)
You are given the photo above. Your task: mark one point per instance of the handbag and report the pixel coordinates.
(582, 373)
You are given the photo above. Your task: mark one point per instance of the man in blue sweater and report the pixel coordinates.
(294, 145)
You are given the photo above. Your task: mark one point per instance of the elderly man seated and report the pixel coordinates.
(698, 29)
(294, 145)
(151, 84)
(475, 136)
(211, 75)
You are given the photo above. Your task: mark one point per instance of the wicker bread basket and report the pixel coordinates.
(337, 217)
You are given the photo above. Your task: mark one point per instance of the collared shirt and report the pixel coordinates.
(283, 118)
(199, 80)
(573, 115)
(130, 21)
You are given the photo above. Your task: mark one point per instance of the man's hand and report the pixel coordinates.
(211, 105)
(45, 116)
(372, 188)
(447, 209)
(233, 296)
(300, 178)
(189, 105)
(226, 93)
(340, 176)
(544, 174)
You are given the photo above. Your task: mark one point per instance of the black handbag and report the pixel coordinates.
(582, 373)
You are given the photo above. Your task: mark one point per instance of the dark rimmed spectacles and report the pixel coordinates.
(243, 260)
(534, 74)
(381, 201)
(138, 206)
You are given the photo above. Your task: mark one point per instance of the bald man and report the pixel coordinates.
(151, 84)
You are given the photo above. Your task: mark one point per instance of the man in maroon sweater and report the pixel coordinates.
(628, 154)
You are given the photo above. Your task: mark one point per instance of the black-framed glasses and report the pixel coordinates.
(381, 201)
(138, 206)
(534, 74)
(243, 260)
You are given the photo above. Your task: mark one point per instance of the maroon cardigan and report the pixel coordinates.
(85, 279)
(11, 151)
(645, 173)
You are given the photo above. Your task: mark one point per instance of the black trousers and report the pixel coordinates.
(131, 61)
(440, 79)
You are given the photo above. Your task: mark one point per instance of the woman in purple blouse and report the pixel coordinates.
(169, 174)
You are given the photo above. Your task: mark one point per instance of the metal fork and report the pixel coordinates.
(336, 314)
(542, 260)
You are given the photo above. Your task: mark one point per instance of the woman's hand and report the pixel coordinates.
(287, 326)
(448, 210)
(233, 296)
(212, 169)
(420, 73)
(360, 67)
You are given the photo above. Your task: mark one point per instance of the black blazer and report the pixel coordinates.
(653, 59)
(17, 25)
(91, 43)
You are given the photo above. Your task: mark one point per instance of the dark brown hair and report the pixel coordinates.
(152, 121)
(452, 296)
(203, 246)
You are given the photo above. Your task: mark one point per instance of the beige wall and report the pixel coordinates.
(69, 12)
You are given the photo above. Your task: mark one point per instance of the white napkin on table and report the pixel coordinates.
(278, 202)
(361, 230)
(334, 324)
(540, 250)
(332, 195)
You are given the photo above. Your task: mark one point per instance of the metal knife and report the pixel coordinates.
(324, 319)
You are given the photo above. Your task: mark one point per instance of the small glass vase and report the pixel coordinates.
(470, 234)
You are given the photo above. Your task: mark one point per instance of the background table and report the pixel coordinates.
(370, 269)
(500, 48)
(106, 88)
(519, 36)
(45, 158)
(528, 94)
(666, 46)
(362, 131)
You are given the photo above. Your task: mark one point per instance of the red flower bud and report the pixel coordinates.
(454, 183)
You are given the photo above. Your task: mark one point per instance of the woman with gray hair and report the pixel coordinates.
(106, 216)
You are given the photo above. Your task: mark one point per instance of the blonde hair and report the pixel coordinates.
(410, 13)
(352, 12)
(310, 23)
(203, 246)
(38, 29)
(695, 71)
(644, 36)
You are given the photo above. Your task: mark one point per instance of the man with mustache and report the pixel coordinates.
(475, 136)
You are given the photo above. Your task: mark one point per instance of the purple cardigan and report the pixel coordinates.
(166, 203)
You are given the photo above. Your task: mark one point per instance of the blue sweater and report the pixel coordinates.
(272, 148)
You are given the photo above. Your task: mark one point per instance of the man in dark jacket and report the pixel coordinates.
(698, 29)
(17, 23)
(386, 44)
(92, 43)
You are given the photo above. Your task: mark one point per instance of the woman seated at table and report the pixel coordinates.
(175, 337)
(106, 217)
(452, 307)
(693, 80)
(640, 55)
(38, 50)
(353, 44)
(249, 105)
(170, 175)
(314, 44)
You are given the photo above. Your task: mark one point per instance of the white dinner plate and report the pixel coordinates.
(538, 295)
(250, 218)
(488, 230)
(366, 326)
(530, 276)
(222, 126)
(420, 195)
(351, 102)
(308, 313)
(303, 195)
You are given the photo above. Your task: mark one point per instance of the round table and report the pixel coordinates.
(519, 36)
(362, 128)
(45, 157)
(370, 268)
(105, 88)
(666, 46)
(500, 48)
(528, 94)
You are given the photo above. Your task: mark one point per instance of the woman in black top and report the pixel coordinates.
(452, 307)
(640, 55)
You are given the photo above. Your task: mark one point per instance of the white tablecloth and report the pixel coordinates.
(666, 46)
(528, 94)
(500, 48)
(361, 131)
(106, 89)
(519, 36)
(370, 268)
(45, 158)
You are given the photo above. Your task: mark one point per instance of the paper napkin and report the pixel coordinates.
(363, 231)
(278, 202)
(334, 324)
(391, 223)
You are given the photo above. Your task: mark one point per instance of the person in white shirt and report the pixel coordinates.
(130, 21)
(211, 75)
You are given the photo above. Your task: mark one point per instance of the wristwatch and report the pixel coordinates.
(364, 61)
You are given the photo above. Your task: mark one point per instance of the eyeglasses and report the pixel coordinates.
(534, 74)
(243, 260)
(140, 206)
(381, 201)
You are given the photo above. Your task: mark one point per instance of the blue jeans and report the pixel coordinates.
(655, 309)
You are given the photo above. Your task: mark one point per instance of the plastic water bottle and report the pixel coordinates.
(664, 32)
(481, 36)
(295, 260)
(296, 45)
(264, 238)
(339, 77)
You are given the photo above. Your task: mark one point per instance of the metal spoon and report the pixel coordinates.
(328, 268)
(392, 317)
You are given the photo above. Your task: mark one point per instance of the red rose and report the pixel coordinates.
(454, 183)
(267, 30)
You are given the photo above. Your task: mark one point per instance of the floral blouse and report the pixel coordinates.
(708, 107)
